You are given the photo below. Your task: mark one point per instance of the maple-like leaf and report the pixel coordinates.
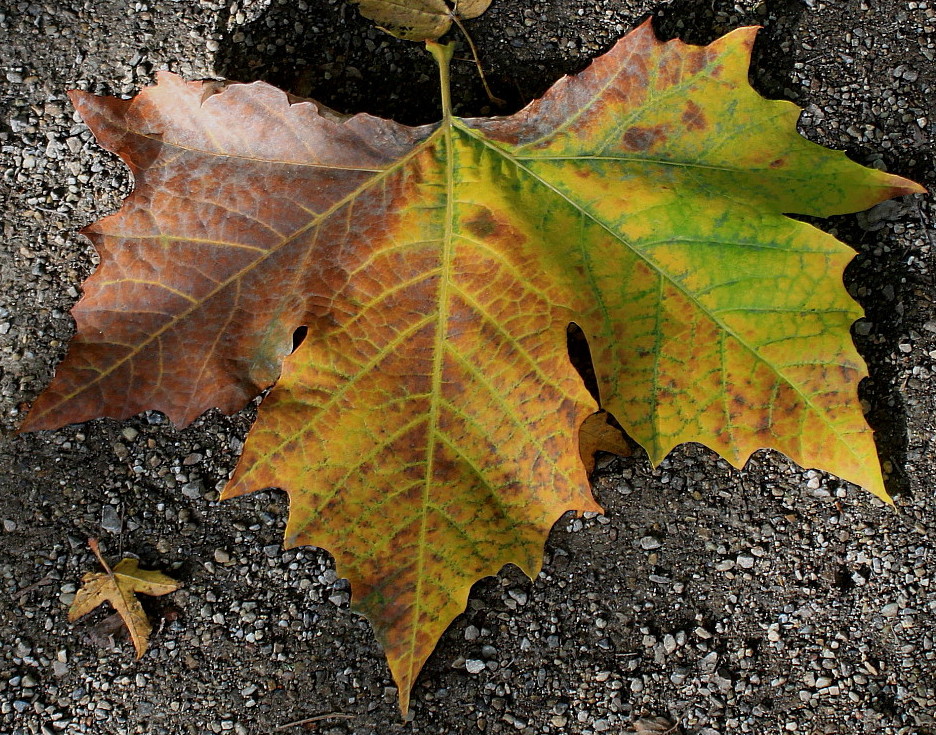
(419, 20)
(426, 428)
(120, 586)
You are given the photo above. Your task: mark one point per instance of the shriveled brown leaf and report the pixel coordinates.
(106, 632)
(655, 726)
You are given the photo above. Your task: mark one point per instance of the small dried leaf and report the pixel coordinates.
(119, 586)
(419, 20)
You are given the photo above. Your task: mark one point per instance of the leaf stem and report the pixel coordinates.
(316, 718)
(495, 100)
(443, 56)
(93, 543)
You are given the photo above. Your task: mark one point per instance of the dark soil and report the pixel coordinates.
(772, 599)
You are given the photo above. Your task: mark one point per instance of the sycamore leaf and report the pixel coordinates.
(426, 429)
(419, 20)
(120, 586)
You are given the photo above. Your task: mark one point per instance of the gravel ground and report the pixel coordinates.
(766, 600)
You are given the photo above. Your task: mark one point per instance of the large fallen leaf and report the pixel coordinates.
(426, 429)
(120, 586)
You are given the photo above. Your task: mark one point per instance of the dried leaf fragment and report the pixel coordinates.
(119, 586)
(599, 433)
(655, 726)
(419, 20)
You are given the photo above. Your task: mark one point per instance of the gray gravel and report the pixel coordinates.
(759, 601)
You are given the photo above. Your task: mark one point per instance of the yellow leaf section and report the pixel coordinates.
(430, 438)
(711, 316)
(119, 586)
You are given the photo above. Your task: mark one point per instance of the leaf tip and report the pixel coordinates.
(904, 187)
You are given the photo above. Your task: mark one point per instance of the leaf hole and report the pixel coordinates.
(299, 337)
(581, 359)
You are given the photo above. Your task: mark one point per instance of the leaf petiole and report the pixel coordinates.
(495, 100)
(93, 544)
(442, 53)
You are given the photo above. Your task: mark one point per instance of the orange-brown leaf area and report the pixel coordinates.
(426, 430)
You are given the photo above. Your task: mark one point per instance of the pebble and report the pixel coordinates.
(669, 643)
(474, 666)
(110, 519)
(193, 490)
(708, 663)
(518, 595)
(650, 542)
(340, 599)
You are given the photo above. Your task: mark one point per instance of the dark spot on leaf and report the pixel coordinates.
(693, 117)
(695, 62)
(777, 163)
(483, 225)
(763, 426)
(847, 372)
(643, 139)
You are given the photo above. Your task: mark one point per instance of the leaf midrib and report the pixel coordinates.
(445, 276)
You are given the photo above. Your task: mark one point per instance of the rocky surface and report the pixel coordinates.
(765, 600)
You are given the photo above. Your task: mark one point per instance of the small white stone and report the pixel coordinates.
(669, 643)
